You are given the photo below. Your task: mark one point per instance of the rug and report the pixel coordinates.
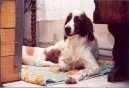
(49, 75)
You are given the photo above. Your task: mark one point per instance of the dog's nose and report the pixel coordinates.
(67, 30)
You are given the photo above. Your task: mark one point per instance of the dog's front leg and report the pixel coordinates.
(62, 64)
(81, 75)
(91, 68)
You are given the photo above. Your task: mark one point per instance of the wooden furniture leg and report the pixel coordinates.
(120, 72)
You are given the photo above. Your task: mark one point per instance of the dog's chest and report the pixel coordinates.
(74, 47)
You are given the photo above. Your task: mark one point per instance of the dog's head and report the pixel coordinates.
(52, 55)
(78, 23)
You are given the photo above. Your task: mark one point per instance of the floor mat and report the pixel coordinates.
(50, 76)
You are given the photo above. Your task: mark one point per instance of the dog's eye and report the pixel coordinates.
(76, 19)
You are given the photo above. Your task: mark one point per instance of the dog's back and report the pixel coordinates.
(31, 54)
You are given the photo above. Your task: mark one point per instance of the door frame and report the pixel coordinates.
(19, 34)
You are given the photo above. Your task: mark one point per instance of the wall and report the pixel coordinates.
(58, 9)
(55, 9)
(50, 32)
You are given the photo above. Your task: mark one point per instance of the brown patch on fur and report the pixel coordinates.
(77, 65)
(53, 55)
(29, 50)
(65, 37)
(74, 65)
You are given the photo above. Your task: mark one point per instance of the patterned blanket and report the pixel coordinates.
(50, 75)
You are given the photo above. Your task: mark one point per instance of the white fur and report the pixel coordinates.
(38, 58)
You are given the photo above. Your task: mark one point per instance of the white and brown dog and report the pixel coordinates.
(37, 56)
(80, 47)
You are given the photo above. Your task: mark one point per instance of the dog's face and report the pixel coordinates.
(53, 55)
(78, 23)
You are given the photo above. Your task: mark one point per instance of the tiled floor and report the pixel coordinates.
(94, 82)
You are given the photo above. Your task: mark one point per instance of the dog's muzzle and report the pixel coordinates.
(67, 30)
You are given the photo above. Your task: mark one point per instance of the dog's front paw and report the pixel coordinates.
(64, 67)
(71, 80)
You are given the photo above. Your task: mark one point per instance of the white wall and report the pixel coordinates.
(55, 9)
(58, 9)
(105, 39)
(50, 32)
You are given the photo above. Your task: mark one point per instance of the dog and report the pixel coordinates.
(79, 48)
(37, 56)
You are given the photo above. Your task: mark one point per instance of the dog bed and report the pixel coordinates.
(50, 75)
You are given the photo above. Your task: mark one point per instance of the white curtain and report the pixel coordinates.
(58, 9)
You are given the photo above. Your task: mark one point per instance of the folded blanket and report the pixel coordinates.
(50, 75)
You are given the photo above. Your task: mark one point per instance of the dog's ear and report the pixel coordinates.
(57, 52)
(87, 27)
(53, 55)
(69, 17)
